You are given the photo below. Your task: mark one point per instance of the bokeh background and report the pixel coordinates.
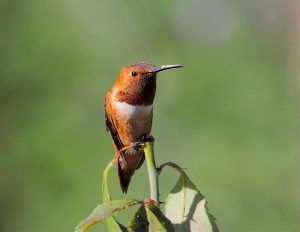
(230, 116)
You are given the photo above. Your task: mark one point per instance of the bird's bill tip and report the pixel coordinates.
(168, 66)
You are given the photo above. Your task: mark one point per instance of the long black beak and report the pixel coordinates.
(169, 66)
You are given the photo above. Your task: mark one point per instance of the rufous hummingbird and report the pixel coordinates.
(129, 113)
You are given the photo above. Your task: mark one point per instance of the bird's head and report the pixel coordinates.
(136, 84)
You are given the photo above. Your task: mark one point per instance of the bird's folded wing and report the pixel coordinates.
(111, 127)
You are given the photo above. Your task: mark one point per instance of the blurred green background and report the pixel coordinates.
(230, 116)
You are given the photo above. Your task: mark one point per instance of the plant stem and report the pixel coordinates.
(152, 171)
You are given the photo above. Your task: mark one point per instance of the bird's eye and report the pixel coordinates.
(133, 73)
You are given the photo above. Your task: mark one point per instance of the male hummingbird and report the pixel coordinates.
(129, 112)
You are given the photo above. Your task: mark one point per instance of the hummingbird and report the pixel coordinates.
(129, 113)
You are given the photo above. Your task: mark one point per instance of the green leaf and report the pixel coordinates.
(149, 218)
(187, 208)
(104, 211)
(139, 221)
(105, 193)
(112, 224)
(157, 221)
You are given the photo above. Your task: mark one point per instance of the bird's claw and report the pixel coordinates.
(147, 138)
(136, 145)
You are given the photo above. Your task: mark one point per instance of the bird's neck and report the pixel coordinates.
(136, 93)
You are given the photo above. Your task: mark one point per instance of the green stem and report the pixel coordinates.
(152, 171)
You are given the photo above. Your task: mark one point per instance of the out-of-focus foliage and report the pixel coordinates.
(232, 111)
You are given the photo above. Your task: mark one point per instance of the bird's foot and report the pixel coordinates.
(137, 145)
(147, 138)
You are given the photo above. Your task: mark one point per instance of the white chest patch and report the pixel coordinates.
(130, 110)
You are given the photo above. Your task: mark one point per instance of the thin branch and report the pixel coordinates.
(152, 171)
